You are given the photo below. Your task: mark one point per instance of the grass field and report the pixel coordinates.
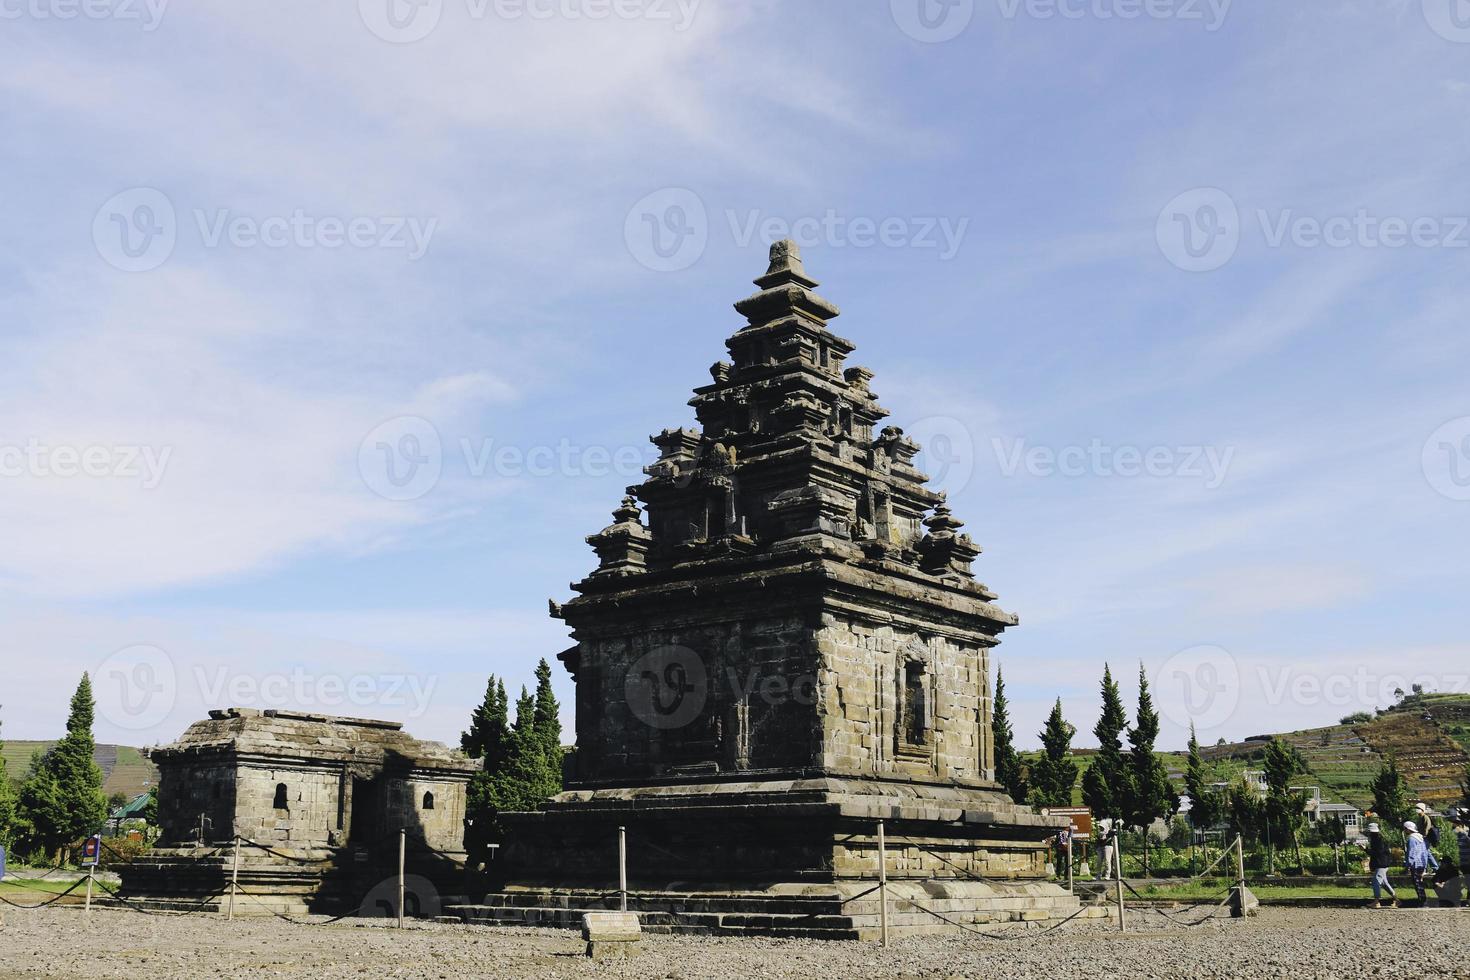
(1200, 891)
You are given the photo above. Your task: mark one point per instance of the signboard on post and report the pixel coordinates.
(1081, 817)
(92, 850)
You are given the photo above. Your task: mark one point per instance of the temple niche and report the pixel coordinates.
(783, 643)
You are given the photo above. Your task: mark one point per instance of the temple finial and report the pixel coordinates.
(786, 257)
(786, 268)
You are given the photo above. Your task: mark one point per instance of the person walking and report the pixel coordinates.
(1418, 859)
(1378, 864)
(1462, 837)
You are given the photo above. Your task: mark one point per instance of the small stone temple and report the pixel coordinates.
(319, 801)
(783, 644)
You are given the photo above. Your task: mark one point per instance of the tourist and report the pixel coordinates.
(1430, 829)
(1106, 844)
(1378, 864)
(1417, 857)
(1462, 836)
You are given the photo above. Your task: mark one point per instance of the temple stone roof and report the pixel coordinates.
(789, 456)
(297, 735)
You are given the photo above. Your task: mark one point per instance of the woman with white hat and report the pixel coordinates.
(1417, 857)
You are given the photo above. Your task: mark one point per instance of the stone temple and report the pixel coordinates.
(783, 644)
(325, 796)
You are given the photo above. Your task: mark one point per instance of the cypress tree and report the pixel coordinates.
(525, 779)
(1008, 771)
(485, 740)
(486, 736)
(62, 799)
(1105, 784)
(1284, 808)
(1149, 794)
(1390, 793)
(1204, 803)
(1055, 773)
(521, 759)
(548, 726)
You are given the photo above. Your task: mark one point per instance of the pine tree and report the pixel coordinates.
(1054, 775)
(62, 798)
(1390, 793)
(1204, 803)
(7, 803)
(1105, 784)
(485, 740)
(486, 736)
(1149, 795)
(1008, 771)
(525, 780)
(1244, 811)
(548, 726)
(1285, 809)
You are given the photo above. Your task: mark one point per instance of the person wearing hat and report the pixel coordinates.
(1462, 837)
(1418, 859)
(1427, 826)
(1378, 864)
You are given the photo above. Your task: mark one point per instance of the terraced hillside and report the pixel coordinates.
(1428, 734)
(124, 770)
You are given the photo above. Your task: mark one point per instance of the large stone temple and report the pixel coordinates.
(782, 645)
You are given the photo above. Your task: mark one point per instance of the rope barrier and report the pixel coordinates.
(1170, 916)
(288, 857)
(133, 906)
(297, 922)
(967, 873)
(966, 927)
(51, 901)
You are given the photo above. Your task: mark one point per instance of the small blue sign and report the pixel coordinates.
(2, 862)
(92, 850)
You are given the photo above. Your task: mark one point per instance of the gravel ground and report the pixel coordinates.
(62, 942)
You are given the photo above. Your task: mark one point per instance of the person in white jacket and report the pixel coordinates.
(1418, 858)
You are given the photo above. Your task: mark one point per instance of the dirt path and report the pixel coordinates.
(63, 942)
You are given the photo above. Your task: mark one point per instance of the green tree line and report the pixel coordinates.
(60, 799)
(520, 758)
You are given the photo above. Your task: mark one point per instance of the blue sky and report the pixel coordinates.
(249, 243)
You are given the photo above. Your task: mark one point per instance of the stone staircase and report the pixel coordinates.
(837, 912)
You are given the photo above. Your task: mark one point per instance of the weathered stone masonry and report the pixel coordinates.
(783, 643)
(327, 794)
